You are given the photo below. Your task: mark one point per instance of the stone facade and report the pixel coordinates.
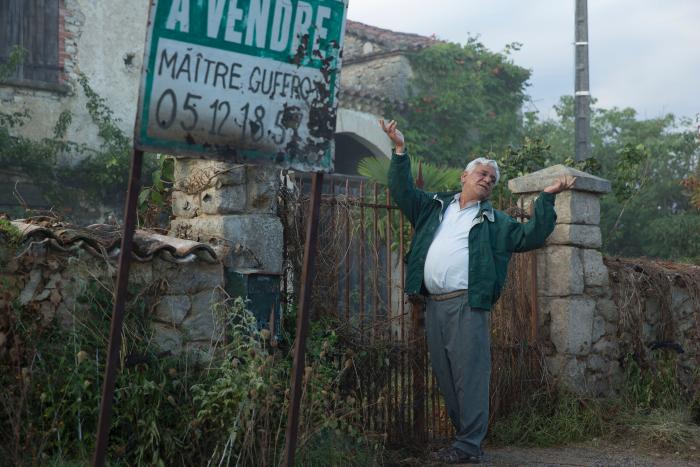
(103, 41)
(231, 207)
(656, 306)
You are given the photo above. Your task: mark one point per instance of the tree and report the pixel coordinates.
(648, 213)
(465, 100)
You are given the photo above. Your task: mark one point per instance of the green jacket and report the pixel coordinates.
(491, 241)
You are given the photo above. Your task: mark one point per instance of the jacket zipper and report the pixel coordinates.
(442, 206)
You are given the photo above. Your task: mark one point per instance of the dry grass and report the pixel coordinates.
(636, 280)
(664, 429)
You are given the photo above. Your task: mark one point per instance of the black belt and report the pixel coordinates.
(440, 297)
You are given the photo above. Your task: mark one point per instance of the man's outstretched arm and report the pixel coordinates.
(532, 234)
(406, 196)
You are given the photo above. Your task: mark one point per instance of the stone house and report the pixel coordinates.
(104, 41)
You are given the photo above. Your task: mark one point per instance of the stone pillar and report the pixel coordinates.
(233, 208)
(574, 298)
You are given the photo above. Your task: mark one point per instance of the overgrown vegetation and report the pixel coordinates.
(650, 164)
(651, 406)
(465, 101)
(73, 177)
(168, 410)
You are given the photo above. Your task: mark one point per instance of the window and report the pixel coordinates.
(32, 25)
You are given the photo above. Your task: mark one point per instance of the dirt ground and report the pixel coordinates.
(592, 453)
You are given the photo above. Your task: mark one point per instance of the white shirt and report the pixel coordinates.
(447, 261)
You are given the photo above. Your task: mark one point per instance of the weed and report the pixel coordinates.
(550, 419)
(655, 386)
(170, 410)
(651, 405)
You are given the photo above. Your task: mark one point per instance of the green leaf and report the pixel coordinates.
(143, 196)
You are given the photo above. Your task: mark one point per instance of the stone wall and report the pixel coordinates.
(658, 310)
(178, 297)
(233, 209)
(587, 322)
(385, 76)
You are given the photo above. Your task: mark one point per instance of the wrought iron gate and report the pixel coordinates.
(360, 280)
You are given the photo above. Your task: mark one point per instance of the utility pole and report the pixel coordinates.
(582, 95)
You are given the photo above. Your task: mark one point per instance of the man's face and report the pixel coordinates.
(480, 181)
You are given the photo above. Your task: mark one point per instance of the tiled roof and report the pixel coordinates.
(392, 40)
(104, 240)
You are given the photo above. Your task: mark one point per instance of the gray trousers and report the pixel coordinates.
(460, 354)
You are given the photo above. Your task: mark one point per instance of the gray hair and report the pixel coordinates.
(484, 161)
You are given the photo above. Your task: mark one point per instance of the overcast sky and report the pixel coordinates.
(644, 54)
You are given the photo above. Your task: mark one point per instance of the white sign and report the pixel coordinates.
(243, 80)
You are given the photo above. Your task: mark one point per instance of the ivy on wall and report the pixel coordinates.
(71, 175)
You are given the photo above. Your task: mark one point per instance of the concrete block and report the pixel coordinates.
(572, 207)
(597, 363)
(652, 310)
(201, 324)
(573, 377)
(577, 207)
(262, 188)
(172, 309)
(243, 241)
(681, 303)
(537, 181)
(225, 200)
(595, 273)
(559, 271)
(608, 309)
(185, 205)
(596, 292)
(600, 385)
(188, 278)
(598, 328)
(587, 236)
(167, 338)
(30, 287)
(611, 329)
(141, 274)
(571, 328)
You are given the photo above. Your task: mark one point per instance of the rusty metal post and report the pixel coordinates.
(348, 249)
(115, 331)
(361, 198)
(307, 274)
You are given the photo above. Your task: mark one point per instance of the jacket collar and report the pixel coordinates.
(446, 199)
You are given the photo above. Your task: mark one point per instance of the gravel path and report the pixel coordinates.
(593, 454)
(588, 455)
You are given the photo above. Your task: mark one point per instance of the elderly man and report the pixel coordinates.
(458, 260)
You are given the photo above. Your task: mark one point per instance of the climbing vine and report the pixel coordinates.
(465, 100)
(70, 175)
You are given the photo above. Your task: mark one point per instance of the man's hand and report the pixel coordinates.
(394, 135)
(563, 183)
